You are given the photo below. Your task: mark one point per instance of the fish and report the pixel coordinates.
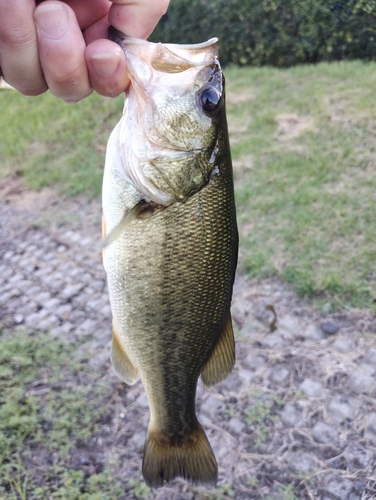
(170, 246)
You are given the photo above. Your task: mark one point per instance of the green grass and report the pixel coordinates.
(305, 193)
(51, 143)
(261, 418)
(50, 404)
(306, 201)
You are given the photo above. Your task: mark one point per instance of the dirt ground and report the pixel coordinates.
(295, 419)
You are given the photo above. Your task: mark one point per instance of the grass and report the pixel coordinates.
(50, 405)
(305, 164)
(260, 417)
(303, 145)
(50, 143)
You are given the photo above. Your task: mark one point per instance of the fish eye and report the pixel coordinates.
(210, 100)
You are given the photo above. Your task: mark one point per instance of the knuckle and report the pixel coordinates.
(74, 99)
(25, 83)
(30, 91)
(107, 91)
(71, 90)
(64, 75)
(17, 38)
(60, 80)
(34, 92)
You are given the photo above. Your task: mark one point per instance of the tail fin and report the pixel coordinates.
(192, 459)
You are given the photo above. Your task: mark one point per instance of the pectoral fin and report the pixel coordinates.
(222, 359)
(130, 216)
(122, 364)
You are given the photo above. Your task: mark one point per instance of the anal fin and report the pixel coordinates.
(122, 364)
(222, 358)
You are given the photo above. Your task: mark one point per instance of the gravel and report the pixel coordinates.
(291, 415)
(311, 388)
(324, 433)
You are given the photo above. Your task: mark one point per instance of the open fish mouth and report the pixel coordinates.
(170, 57)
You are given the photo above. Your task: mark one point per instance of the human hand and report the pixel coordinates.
(63, 45)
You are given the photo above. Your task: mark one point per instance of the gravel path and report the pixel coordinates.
(299, 410)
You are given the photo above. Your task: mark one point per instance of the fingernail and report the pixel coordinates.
(105, 64)
(52, 20)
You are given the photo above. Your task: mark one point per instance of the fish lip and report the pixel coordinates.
(169, 57)
(196, 46)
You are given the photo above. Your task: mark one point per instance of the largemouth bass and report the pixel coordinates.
(170, 246)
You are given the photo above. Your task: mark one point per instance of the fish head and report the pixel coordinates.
(172, 115)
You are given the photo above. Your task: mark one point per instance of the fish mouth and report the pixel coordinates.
(115, 34)
(171, 57)
(167, 57)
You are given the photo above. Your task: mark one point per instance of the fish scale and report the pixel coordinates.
(171, 269)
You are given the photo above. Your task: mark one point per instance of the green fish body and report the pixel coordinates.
(170, 251)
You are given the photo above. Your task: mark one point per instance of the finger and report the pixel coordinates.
(137, 18)
(107, 69)
(97, 30)
(19, 48)
(89, 11)
(62, 51)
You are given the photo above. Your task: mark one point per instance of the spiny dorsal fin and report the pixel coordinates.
(122, 365)
(192, 458)
(222, 359)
